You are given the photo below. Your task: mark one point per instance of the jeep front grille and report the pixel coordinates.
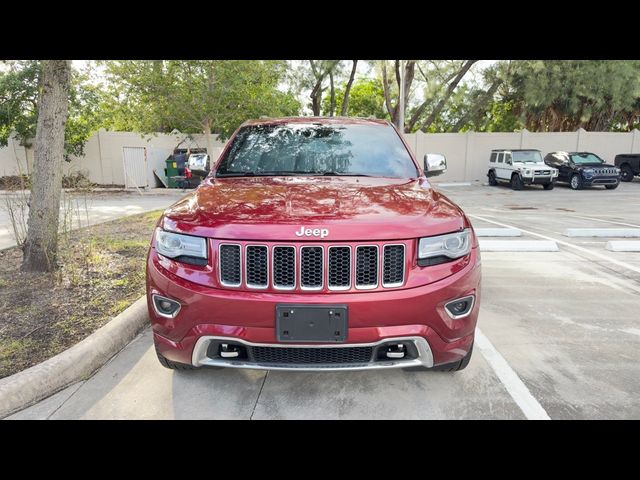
(311, 268)
(605, 171)
(393, 267)
(367, 266)
(230, 265)
(284, 268)
(337, 267)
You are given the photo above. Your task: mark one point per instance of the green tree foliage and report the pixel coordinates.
(194, 96)
(19, 97)
(366, 99)
(549, 95)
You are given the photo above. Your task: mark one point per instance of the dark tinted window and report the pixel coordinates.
(586, 158)
(500, 157)
(493, 157)
(316, 149)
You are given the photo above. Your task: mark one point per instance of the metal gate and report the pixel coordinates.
(135, 167)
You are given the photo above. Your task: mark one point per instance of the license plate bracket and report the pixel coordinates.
(311, 323)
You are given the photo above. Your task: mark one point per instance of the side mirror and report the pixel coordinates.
(434, 164)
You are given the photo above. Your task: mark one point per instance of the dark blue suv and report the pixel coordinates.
(583, 169)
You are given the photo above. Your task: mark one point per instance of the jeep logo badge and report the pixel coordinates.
(316, 232)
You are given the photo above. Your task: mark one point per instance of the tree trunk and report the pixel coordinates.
(452, 86)
(41, 246)
(391, 109)
(332, 98)
(206, 129)
(347, 90)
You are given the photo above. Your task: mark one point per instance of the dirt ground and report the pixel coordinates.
(101, 273)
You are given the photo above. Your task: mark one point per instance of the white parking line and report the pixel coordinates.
(566, 244)
(510, 379)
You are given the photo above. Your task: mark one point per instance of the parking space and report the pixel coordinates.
(559, 337)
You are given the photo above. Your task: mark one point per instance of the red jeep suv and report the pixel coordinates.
(315, 244)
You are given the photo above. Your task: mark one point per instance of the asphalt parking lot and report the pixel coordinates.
(94, 207)
(559, 338)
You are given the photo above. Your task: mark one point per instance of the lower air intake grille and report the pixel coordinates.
(302, 356)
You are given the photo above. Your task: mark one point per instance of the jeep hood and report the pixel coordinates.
(351, 208)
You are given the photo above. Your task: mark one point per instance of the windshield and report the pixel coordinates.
(527, 156)
(579, 158)
(317, 149)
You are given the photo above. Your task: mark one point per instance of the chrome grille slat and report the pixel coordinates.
(257, 266)
(284, 267)
(339, 268)
(311, 267)
(230, 262)
(393, 265)
(366, 266)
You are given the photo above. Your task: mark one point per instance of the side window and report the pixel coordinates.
(507, 158)
(500, 157)
(493, 157)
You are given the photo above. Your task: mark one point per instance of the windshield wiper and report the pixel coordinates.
(342, 174)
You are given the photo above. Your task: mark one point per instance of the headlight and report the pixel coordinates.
(527, 172)
(174, 245)
(588, 172)
(440, 249)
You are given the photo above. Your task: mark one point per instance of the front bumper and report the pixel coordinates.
(538, 180)
(603, 180)
(416, 315)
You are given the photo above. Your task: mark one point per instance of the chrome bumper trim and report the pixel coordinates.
(425, 356)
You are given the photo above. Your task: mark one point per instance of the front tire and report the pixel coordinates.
(548, 186)
(626, 174)
(516, 182)
(576, 182)
(492, 178)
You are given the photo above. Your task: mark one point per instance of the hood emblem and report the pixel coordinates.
(312, 232)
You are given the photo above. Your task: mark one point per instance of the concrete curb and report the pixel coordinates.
(602, 232)
(76, 363)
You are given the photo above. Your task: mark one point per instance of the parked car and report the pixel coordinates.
(315, 244)
(583, 169)
(629, 165)
(519, 168)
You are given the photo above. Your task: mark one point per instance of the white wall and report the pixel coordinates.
(102, 161)
(467, 153)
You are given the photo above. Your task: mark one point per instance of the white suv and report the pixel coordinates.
(520, 168)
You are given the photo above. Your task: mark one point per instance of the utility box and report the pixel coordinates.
(171, 171)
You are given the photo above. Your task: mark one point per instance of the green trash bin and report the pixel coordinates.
(170, 172)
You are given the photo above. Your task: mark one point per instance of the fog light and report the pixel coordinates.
(461, 307)
(165, 307)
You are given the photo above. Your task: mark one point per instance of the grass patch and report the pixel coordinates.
(102, 272)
